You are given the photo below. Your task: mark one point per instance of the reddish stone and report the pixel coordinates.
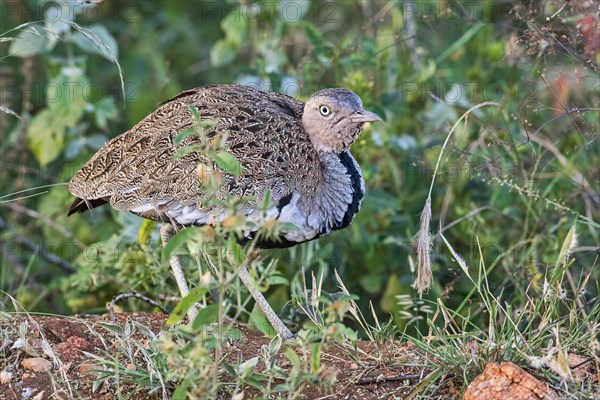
(73, 348)
(507, 381)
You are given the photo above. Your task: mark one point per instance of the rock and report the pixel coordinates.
(85, 369)
(581, 369)
(86, 372)
(5, 377)
(507, 381)
(351, 365)
(39, 396)
(62, 328)
(36, 364)
(73, 348)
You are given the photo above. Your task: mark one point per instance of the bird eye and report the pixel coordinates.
(325, 111)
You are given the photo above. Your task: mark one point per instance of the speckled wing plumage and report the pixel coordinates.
(137, 170)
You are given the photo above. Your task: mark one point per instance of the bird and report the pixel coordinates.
(297, 153)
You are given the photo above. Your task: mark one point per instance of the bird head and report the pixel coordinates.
(333, 119)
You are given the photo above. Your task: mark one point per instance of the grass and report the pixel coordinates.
(557, 319)
(539, 328)
(538, 335)
(508, 247)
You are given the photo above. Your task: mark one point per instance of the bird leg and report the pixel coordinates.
(277, 324)
(166, 232)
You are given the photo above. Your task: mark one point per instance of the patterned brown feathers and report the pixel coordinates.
(297, 152)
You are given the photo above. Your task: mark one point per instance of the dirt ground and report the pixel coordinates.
(70, 337)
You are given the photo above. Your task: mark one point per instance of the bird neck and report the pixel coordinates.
(339, 192)
(329, 141)
(327, 147)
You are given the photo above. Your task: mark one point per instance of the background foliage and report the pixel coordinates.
(513, 182)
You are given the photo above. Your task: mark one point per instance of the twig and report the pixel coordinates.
(119, 297)
(575, 56)
(43, 218)
(570, 170)
(411, 32)
(382, 378)
(379, 15)
(565, 108)
(567, 112)
(582, 363)
(38, 249)
(10, 112)
(466, 216)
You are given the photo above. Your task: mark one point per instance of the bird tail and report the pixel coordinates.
(82, 205)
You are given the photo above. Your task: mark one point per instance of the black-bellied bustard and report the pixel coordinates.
(296, 152)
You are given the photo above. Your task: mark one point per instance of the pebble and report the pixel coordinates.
(5, 377)
(36, 364)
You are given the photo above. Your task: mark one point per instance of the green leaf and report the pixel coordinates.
(427, 71)
(248, 366)
(96, 39)
(323, 48)
(292, 11)
(227, 162)
(260, 322)
(223, 53)
(234, 334)
(181, 392)
(315, 358)
(195, 113)
(145, 232)
(371, 283)
(58, 20)
(230, 370)
(105, 110)
(32, 40)
(325, 252)
(45, 136)
(393, 288)
(278, 280)
(459, 43)
(314, 36)
(293, 357)
(283, 387)
(112, 327)
(46, 133)
(187, 150)
(180, 238)
(185, 304)
(235, 29)
(563, 257)
(66, 107)
(274, 345)
(67, 95)
(207, 315)
(200, 128)
(184, 134)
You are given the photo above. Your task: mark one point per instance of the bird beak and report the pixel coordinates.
(362, 116)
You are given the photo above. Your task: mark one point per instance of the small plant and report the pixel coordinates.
(539, 334)
(508, 236)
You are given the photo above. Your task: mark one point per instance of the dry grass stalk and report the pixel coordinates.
(423, 237)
